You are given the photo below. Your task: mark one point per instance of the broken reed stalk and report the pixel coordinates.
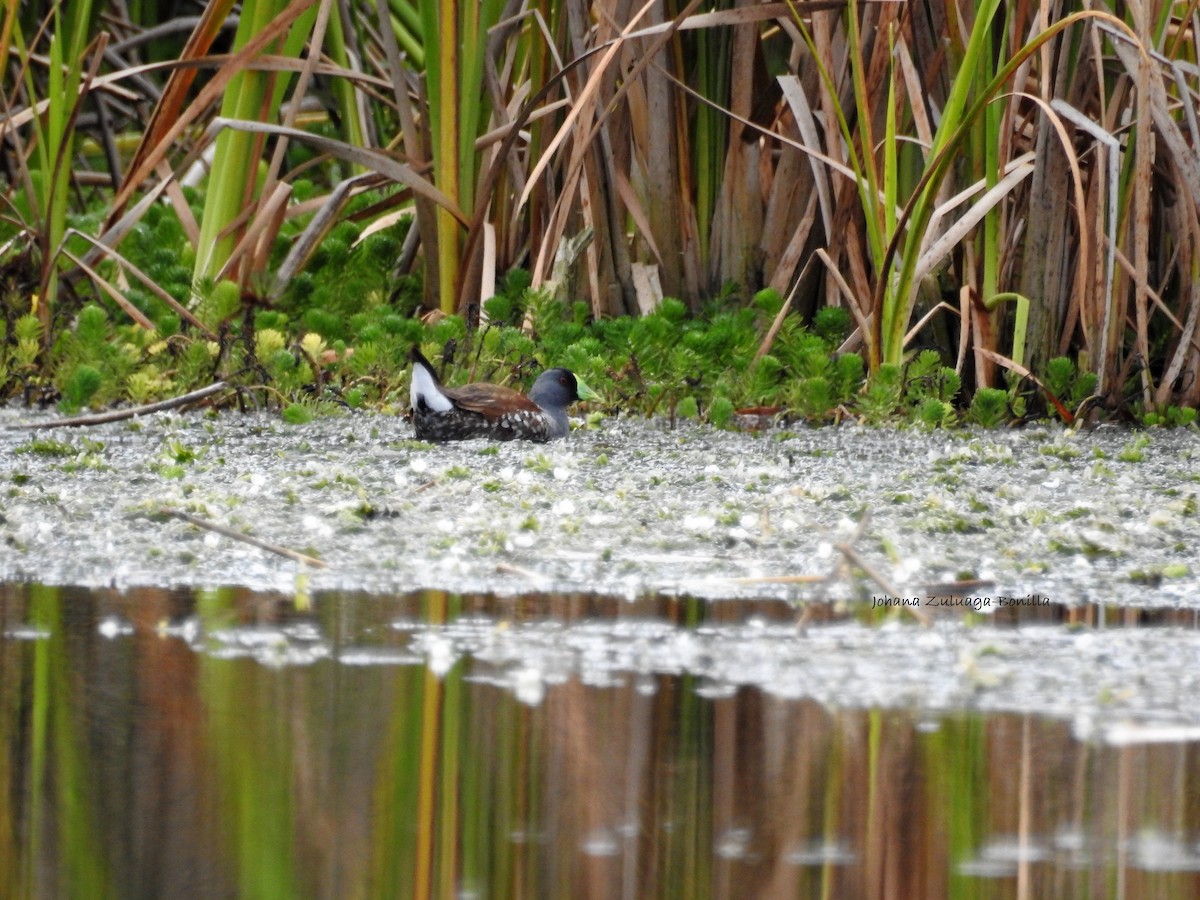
(228, 532)
(118, 415)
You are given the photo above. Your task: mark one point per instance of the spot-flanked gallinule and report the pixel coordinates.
(492, 410)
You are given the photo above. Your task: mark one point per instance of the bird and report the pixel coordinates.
(482, 410)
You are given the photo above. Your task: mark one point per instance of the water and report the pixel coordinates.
(223, 743)
(831, 514)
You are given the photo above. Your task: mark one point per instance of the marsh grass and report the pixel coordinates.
(966, 179)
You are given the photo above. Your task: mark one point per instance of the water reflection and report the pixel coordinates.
(218, 744)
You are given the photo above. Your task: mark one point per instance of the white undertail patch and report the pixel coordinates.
(425, 388)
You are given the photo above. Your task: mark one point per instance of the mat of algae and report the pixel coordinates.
(631, 506)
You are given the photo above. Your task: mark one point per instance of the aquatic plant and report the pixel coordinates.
(763, 207)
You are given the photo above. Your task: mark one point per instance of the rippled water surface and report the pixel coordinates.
(223, 743)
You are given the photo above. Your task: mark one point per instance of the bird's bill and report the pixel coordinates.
(584, 392)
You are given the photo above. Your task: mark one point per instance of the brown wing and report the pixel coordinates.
(490, 400)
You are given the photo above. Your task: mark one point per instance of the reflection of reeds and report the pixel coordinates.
(155, 763)
(941, 158)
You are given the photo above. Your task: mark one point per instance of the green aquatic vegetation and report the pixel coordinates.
(81, 385)
(489, 542)
(729, 517)
(831, 323)
(86, 461)
(926, 378)
(880, 401)
(720, 412)
(181, 453)
(1082, 544)
(1060, 450)
(148, 384)
(541, 463)
(1135, 450)
(1037, 517)
(989, 408)
(343, 327)
(812, 398)
(219, 302)
(1154, 576)
(1171, 417)
(934, 413)
(946, 522)
(47, 447)
(297, 414)
(1071, 386)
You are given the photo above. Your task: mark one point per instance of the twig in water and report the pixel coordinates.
(509, 569)
(777, 579)
(117, 415)
(244, 538)
(853, 556)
